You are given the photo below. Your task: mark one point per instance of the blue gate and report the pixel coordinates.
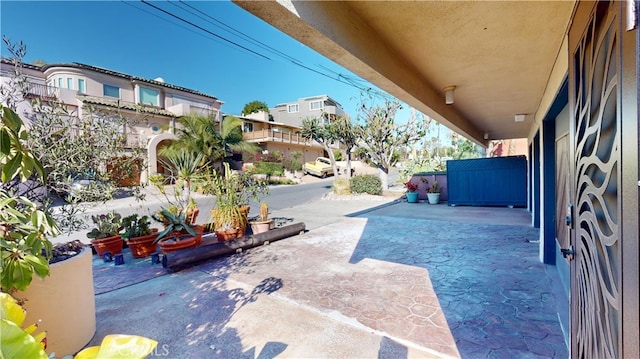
(496, 181)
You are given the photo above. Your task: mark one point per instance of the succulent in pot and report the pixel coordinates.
(106, 225)
(139, 235)
(178, 233)
(136, 227)
(263, 223)
(105, 236)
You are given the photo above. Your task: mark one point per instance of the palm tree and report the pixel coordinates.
(232, 139)
(199, 134)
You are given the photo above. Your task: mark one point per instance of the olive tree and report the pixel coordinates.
(69, 146)
(381, 137)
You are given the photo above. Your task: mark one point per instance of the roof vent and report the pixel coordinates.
(159, 79)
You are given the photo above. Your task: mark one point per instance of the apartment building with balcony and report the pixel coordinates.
(278, 136)
(151, 106)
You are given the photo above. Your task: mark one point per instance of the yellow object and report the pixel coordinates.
(120, 346)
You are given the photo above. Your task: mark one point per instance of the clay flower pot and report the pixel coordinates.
(261, 226)
(181, 240)
(143, 246)
(109, 244)
(228, 234)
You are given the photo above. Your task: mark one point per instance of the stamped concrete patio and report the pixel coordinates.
(403, 280)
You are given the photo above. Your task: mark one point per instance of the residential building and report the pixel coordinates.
(151, 106)
(293, 113)
(274, 136)
(562, 74)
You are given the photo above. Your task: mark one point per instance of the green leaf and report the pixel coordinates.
(11, 119)
(5, 142)
(39, 264)
(16, 343)
(11, 310)
(11, 168)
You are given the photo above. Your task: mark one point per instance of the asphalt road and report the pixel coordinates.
(280, 197)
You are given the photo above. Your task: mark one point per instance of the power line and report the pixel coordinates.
(231, 30)
(249, 38)
(203, 29)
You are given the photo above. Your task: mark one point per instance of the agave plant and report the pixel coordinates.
(174, 222)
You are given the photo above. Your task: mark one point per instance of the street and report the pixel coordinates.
(280, 197)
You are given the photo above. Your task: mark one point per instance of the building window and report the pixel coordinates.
(69, 83)
(316, 105)
(59, 81)
(111, 91)
(292, 108)
(248, 127)
(149, 96)
(81, 88)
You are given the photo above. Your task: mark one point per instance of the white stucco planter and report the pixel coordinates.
(64, 304)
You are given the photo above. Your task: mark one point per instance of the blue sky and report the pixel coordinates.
(136, 39)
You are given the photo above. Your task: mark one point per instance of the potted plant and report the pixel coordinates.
(66, 286)
(178, 233)
(412, 191)
(263, 223)
(232, 192)
(140, 237)
(187, 170)
(105, 237)
(433, 193)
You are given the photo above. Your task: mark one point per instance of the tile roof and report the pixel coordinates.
(128, 77)
(124, 105)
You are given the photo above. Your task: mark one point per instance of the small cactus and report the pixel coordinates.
(264, 211)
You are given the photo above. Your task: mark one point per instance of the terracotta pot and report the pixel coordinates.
(244, 209)
(261, 226)
(181, 240)
(228, 234)
(143, 246)
(109, 244)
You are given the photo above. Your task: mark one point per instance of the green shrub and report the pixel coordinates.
(269, 168)
(338, 155)
(341, 186)
(370, 184)
(280, 180)
(293, 165)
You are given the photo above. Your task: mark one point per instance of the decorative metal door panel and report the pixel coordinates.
(595, 137)
(562, 190)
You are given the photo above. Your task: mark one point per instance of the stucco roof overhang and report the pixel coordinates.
(499, 54)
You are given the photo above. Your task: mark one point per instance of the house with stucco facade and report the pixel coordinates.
(151, 106)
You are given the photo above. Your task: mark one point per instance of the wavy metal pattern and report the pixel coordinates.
(596, 163)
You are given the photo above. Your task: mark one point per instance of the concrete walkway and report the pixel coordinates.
(402, 280)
